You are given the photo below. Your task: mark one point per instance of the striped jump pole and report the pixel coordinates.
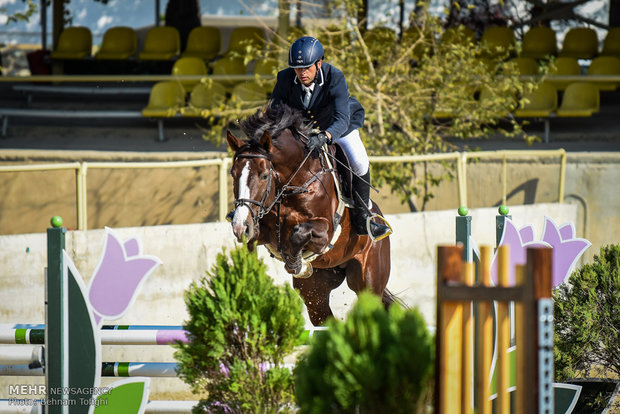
(116, 334)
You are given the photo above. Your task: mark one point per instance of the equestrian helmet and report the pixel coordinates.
(304, 52)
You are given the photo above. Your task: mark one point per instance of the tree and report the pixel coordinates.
(241, 327)
(587, 318)
(407, 87)
(376, 361)
(31, 9)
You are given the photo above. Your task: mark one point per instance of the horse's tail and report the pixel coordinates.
(389, 298)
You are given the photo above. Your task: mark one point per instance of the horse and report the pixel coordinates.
(286, 199)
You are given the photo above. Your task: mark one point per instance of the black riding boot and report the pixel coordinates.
(361, 193)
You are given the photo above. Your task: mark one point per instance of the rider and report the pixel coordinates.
(321, 91)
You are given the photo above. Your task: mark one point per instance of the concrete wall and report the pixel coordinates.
(187, 251)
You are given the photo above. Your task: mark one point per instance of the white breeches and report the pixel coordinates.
(356, 152)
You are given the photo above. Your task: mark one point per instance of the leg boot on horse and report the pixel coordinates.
(361, 212)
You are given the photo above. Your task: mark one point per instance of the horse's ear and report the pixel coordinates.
(265, 142)
(233, 142)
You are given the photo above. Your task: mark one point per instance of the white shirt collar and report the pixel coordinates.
(308, 88)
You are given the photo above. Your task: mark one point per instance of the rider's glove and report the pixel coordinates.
(317, 141)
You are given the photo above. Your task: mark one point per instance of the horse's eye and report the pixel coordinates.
(264, 176)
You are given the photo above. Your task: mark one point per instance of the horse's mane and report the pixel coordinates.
(274, 119)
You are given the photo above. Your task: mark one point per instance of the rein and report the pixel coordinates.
(284, 191)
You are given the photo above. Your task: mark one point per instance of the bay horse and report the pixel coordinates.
(286, 199)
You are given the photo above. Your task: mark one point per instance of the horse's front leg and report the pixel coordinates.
(315, 292)
(311, 235)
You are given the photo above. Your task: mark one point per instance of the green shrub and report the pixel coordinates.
(376, 361)
(587, 318)
(241, 327)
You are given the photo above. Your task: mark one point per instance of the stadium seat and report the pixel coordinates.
(498, 41)
(267, 67)
(541, 103)
(564, 66)
(161, 43)
(244, 36)
(119, 43)
(462, 35)
(611, 44)
(605, 65)
(203, 42)
(248, 94)
(229, 65)
(580, 43)
(580, 99)
(422, 46)
(538, 43)
(75, 42)
(526, 66)
(165, 100)
(204, 97)
(500, 104)
(189, 66)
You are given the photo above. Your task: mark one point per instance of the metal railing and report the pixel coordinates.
(460, 158)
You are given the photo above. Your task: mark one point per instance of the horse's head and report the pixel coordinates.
(253, 182)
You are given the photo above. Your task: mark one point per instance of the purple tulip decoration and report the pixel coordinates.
(118, 277)
(567, 249)
(518, 241)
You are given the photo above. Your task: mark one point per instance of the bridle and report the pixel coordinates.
(285, 190)
(261, 204)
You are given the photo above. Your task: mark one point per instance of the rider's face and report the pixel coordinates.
(307, 75)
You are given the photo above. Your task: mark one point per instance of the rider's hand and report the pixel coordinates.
(317, 141)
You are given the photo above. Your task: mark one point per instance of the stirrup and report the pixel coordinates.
(385, 222)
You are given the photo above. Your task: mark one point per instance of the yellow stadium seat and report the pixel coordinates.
(244, 36)
(161, 43)
(611, 45)
(580, 43)
(580, 99)
(165, 100)
(542, 102)
(380, 36)
(538, 43)
(423, 41)
(248, 94)
(119, 43)
(498, 41)
(527, 66)
(605, 65)
(267, 67)
(75, 42)
(189, 66)
(204, 97)
(499, 105)
(462, 35)
(564, 66)
(203, 42)
(229, 66)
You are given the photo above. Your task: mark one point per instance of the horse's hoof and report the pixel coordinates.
(305, 272)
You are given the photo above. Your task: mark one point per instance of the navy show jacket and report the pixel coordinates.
(331, 108)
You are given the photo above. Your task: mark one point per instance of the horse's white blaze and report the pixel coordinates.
(242, 212)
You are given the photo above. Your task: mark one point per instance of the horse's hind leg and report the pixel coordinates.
(315, 291)
(370, 270)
